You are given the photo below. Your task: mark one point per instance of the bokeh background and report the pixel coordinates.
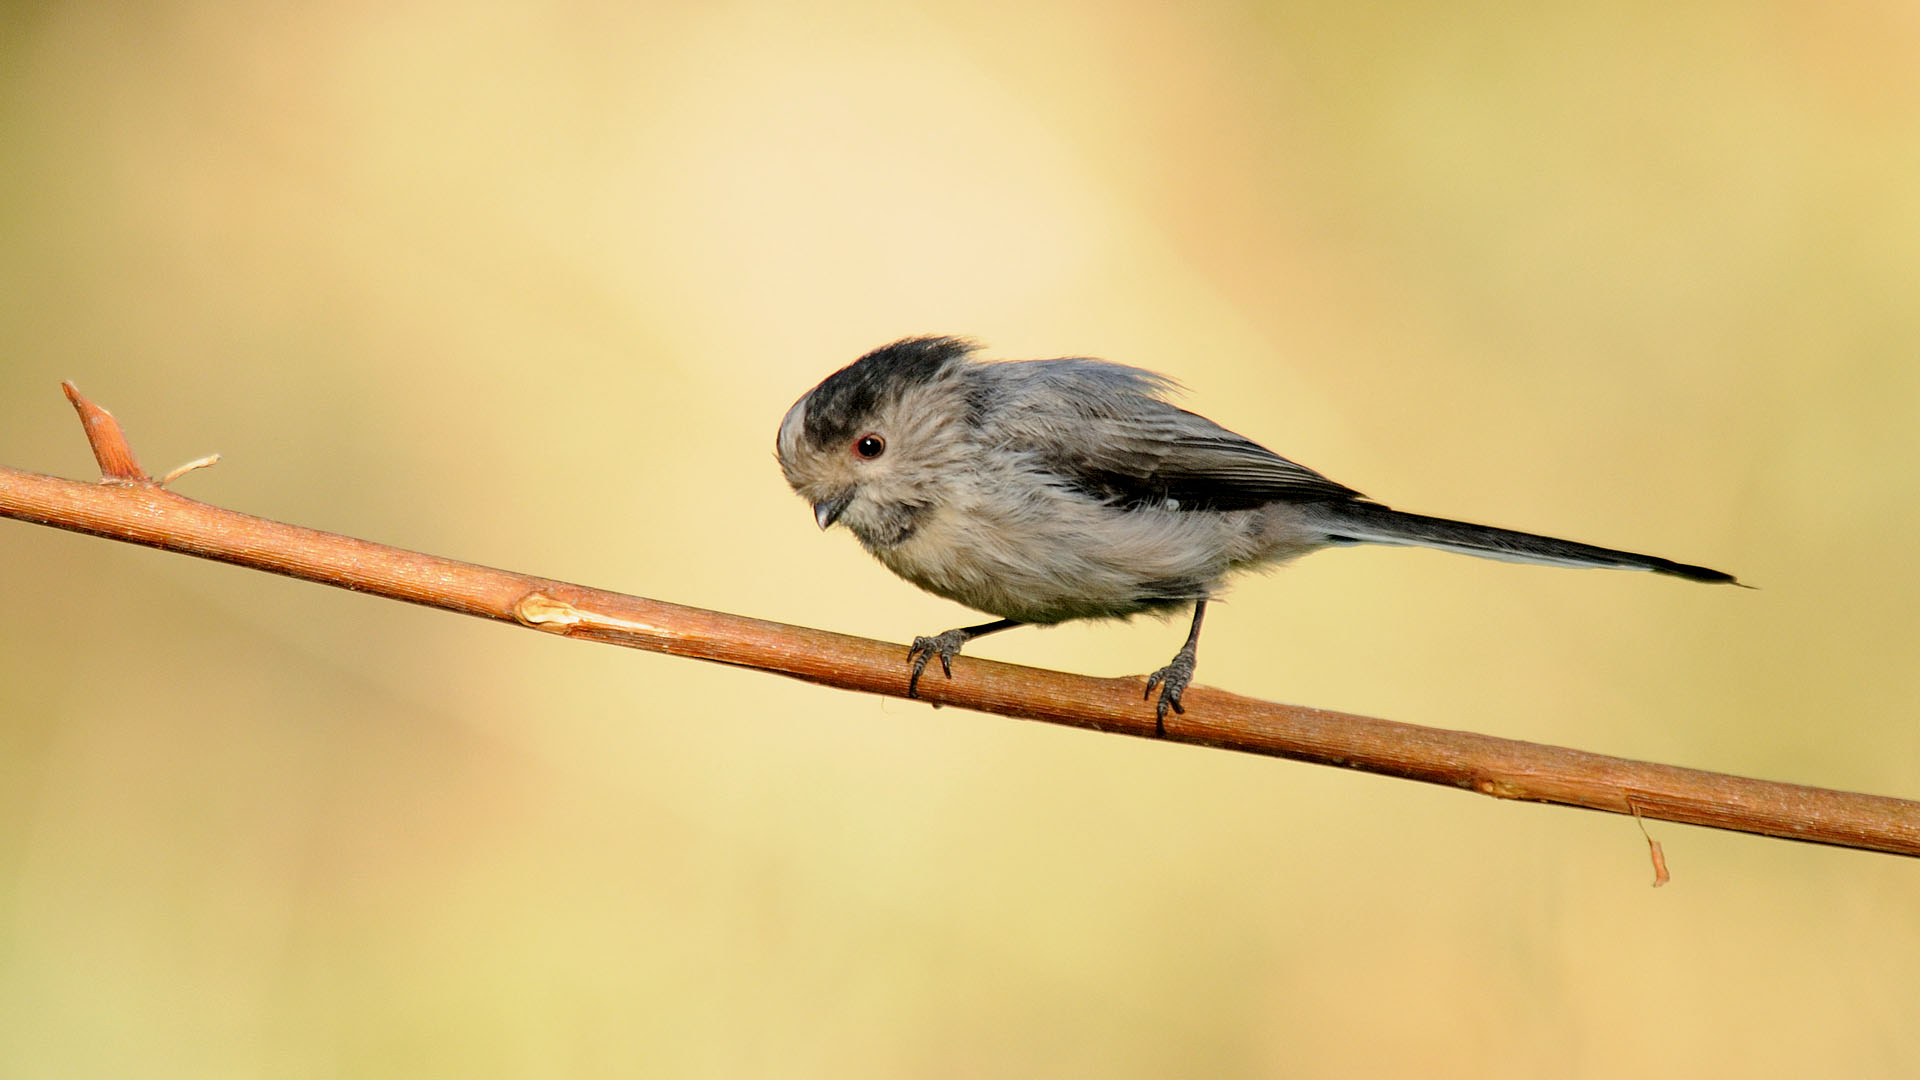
(531, 285)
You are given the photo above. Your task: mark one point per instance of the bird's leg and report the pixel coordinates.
(1172, 679)
(947, 646)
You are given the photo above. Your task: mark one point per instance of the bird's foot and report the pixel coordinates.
(1172, 681)
(946, 646)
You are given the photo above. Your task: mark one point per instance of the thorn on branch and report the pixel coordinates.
(110, 449)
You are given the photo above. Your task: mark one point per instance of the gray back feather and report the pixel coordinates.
(1108, 430)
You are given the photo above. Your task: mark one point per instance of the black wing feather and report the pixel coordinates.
(1195, 464)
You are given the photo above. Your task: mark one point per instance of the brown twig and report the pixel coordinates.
(133, 508)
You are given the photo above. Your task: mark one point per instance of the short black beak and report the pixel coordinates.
(828, 511)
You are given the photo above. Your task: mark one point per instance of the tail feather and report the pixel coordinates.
(1369, 523)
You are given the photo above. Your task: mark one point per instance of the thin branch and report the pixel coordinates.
(128, 506)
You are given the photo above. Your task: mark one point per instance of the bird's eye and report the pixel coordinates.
(870, 446)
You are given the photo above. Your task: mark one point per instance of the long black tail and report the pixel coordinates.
(1370, 523)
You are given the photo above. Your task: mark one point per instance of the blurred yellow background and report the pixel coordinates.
(532, 284)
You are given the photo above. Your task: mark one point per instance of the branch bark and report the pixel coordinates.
(128, 506)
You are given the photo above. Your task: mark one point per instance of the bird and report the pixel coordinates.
(1045, 491)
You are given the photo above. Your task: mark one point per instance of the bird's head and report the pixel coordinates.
(872, 446)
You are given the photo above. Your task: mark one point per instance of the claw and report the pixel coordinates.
(946, 646)
(918, 654)
(1172, 682)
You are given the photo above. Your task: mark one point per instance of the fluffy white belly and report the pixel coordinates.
(1058, 558)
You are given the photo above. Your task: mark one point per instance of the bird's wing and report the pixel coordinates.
(1105, 429)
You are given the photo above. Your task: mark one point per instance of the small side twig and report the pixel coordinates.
(196, 463)
(132, 508)
(1654, 850)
